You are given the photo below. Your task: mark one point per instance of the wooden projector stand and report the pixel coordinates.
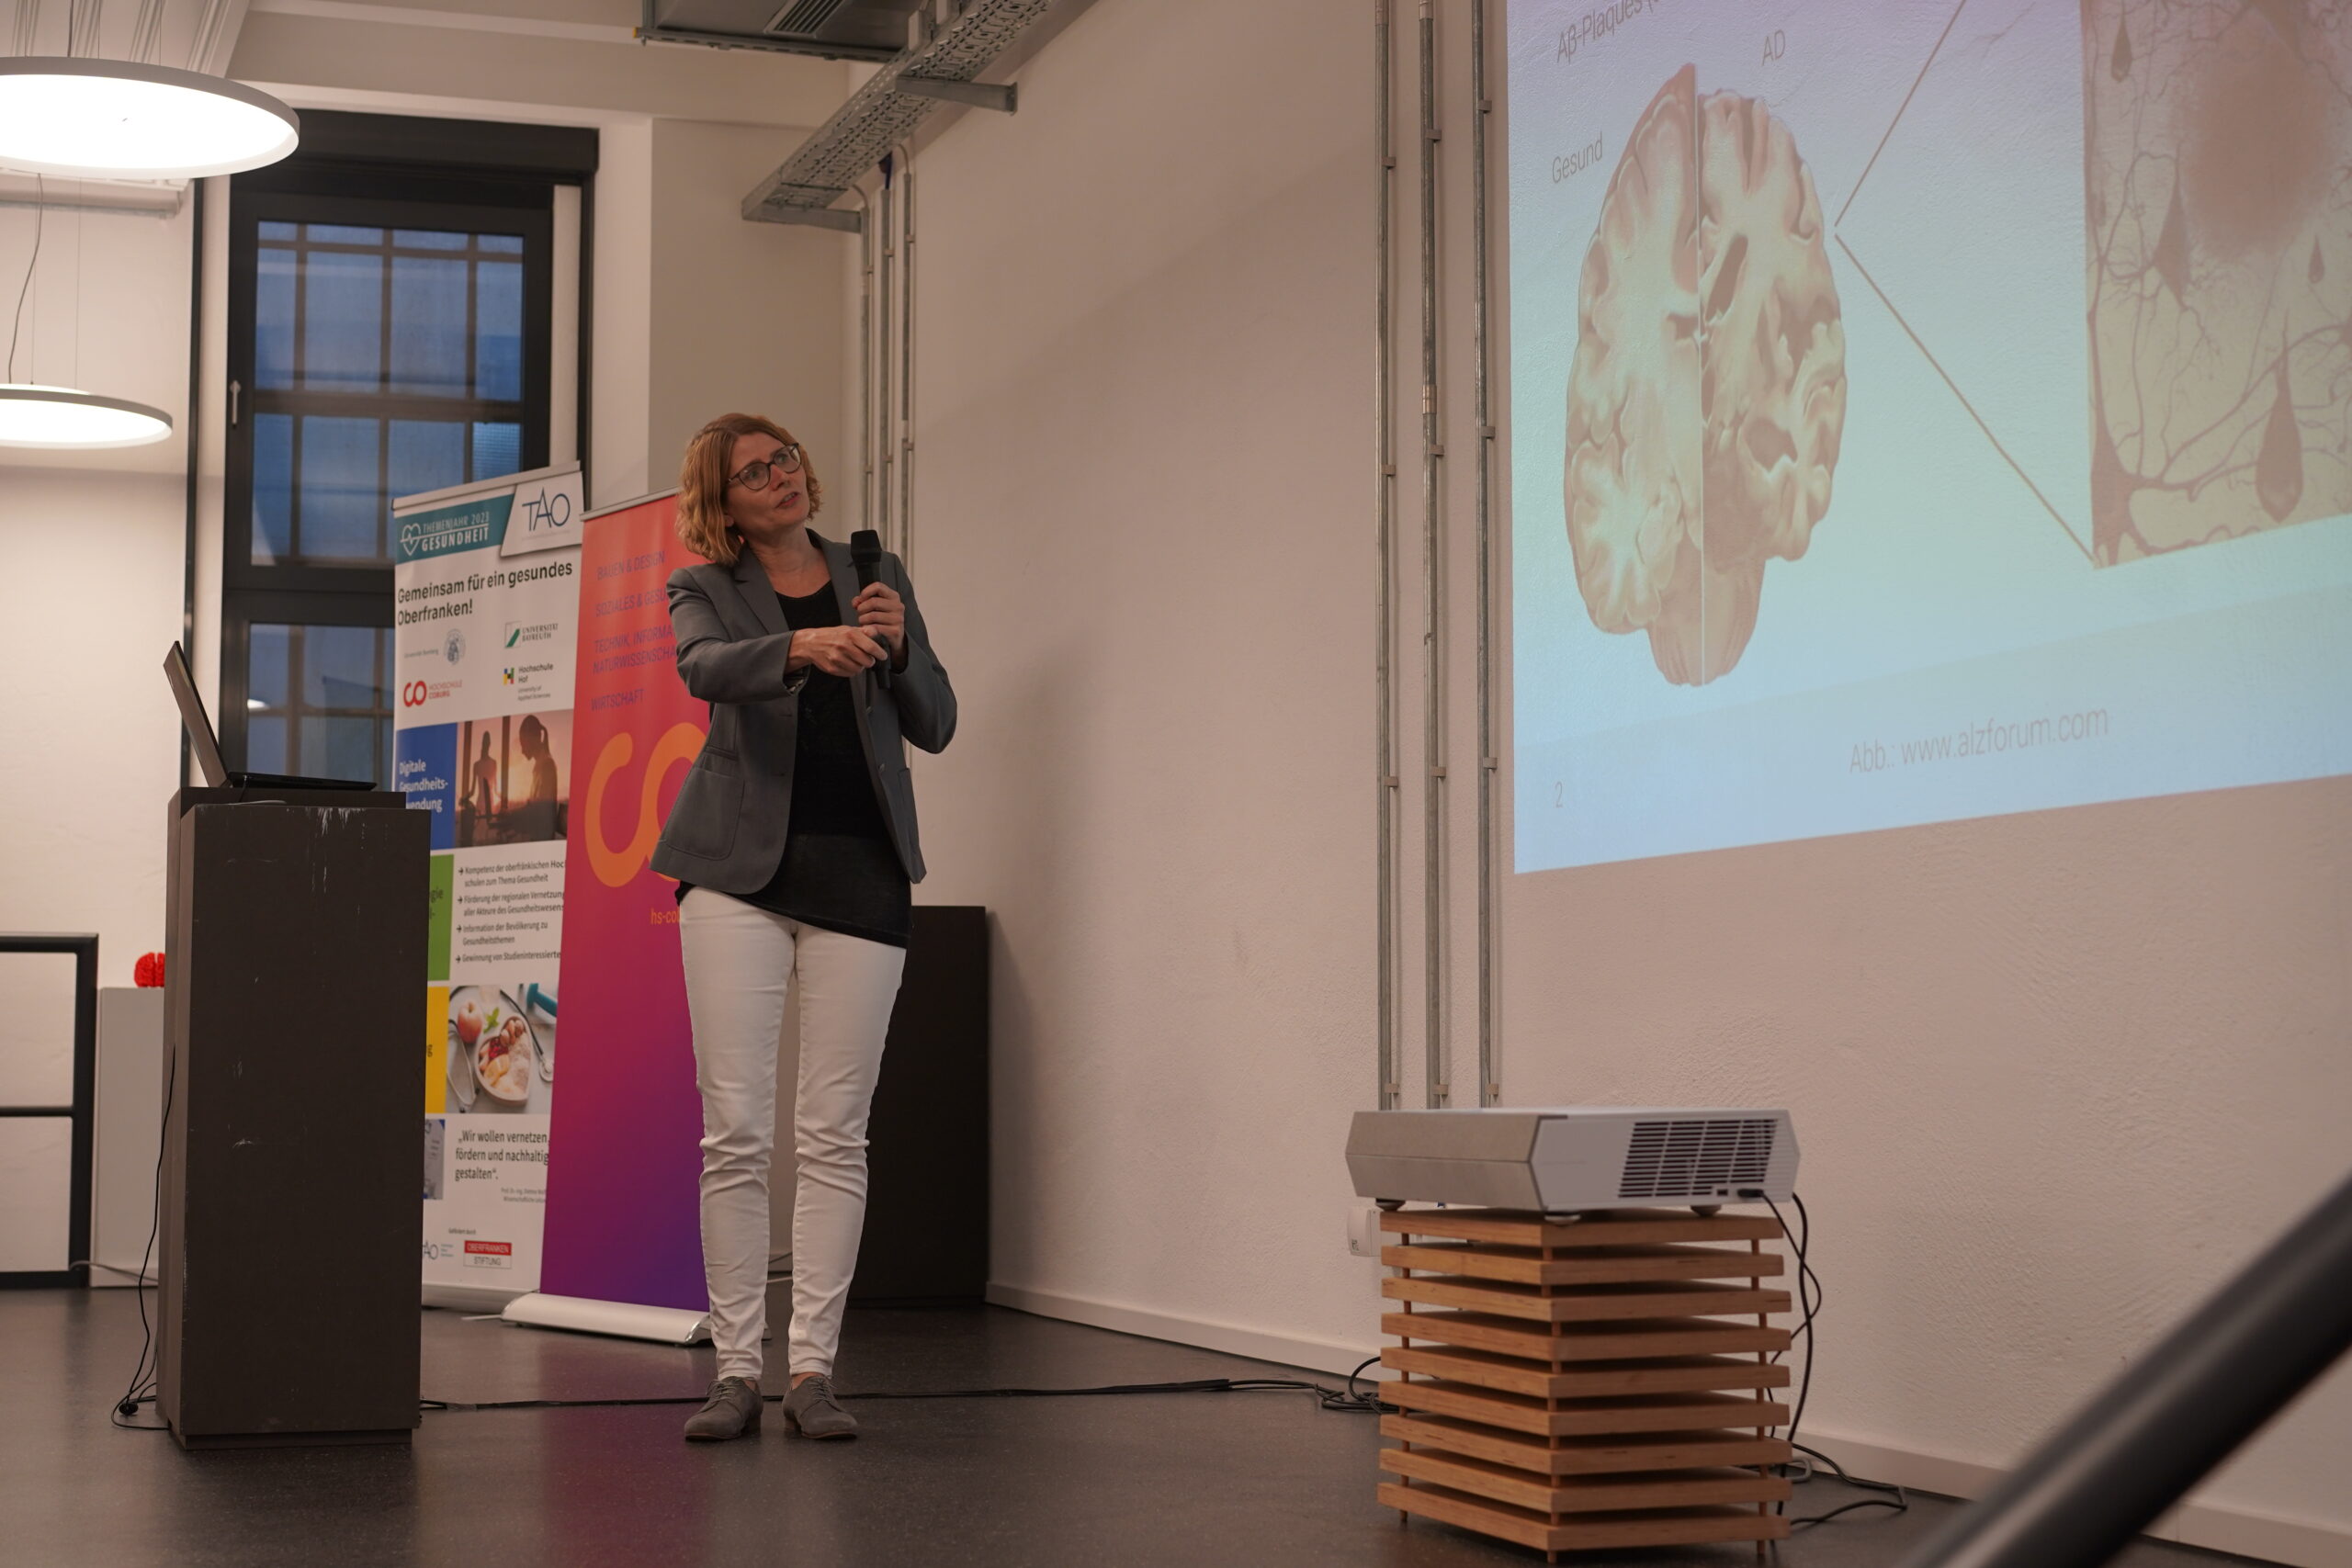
(1573, 1384)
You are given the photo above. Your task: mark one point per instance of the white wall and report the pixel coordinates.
(90, 596)
(90, 593)
(92, 562)
(1142, 542)
(2055, 1074)
(744, 316)
(621, 333)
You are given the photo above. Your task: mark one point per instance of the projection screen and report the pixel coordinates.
(1923, 411)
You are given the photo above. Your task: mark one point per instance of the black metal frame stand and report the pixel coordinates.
(82, 1112)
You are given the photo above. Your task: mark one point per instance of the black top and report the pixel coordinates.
(840, 871)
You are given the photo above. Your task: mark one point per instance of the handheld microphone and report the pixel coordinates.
(865, 555)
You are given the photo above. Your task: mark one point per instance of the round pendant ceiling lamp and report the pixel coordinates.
(33, 416)
(112, 119)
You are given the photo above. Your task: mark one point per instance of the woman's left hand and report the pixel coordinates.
(881, 612)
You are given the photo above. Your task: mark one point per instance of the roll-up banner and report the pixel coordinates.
(486, 582)
(621, 1219)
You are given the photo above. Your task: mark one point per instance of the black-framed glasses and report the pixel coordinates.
(767, 470)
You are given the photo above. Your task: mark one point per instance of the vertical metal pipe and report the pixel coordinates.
(1383, 612)
(864, 357)
(192, 432)
(1439, 1090)
(884, 451)
(1490, 1079)
(906, 358)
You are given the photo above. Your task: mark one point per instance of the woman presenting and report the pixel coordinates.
(793, 842)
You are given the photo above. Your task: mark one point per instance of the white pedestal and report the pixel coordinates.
(626, 1320)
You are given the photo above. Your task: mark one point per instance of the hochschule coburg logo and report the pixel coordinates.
(413, 693)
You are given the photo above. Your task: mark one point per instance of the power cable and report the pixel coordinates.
(1348, 1399)
(41, 222)
(1899, 1503)
(143, 1389)
(1809, 1298)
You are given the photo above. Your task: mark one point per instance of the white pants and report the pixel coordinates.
(741, 961)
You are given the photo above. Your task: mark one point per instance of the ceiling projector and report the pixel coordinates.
(1572, 1158)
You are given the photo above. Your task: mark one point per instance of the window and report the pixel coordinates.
(391, 331)
(386, 361)
(315, 699)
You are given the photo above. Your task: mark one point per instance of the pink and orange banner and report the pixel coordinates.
(621, 1217)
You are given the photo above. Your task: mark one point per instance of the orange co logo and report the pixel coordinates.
(413, 694)
(618, 867)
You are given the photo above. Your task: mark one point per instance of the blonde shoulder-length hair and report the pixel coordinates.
(702, 484)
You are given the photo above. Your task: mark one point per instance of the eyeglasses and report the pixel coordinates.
(767, 470)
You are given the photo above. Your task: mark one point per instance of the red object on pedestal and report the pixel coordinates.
(148, 971)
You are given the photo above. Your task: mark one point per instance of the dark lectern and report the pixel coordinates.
(294, 1005)
(927, 1186)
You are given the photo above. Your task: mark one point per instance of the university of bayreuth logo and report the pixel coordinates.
(454, 649)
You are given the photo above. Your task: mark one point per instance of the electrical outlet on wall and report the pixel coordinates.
(1364, 1230)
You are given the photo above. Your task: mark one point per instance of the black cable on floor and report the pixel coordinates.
(1809, 1297)
(142, 1389)
(1347, 1399)
(1899, 1503)
(1808, 1303)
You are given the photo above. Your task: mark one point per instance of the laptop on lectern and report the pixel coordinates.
(206, 745)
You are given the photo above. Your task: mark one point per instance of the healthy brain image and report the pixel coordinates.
(1708, 392)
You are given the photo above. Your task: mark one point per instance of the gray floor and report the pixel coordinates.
(1185, 1479)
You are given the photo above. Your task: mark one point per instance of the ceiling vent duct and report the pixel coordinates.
(874, 30)
(804, 18)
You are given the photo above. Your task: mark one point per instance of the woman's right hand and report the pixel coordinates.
(836, 651)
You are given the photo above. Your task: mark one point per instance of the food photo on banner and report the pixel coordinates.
(486, 583)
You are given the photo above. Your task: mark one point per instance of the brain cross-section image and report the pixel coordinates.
(2218, 206)
(1708, 392)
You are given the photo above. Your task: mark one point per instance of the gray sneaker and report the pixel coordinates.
(731, 1410)
(815, 1412)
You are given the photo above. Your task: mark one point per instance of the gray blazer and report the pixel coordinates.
(728, 827)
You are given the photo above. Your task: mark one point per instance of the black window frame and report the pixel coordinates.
(383, 171)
